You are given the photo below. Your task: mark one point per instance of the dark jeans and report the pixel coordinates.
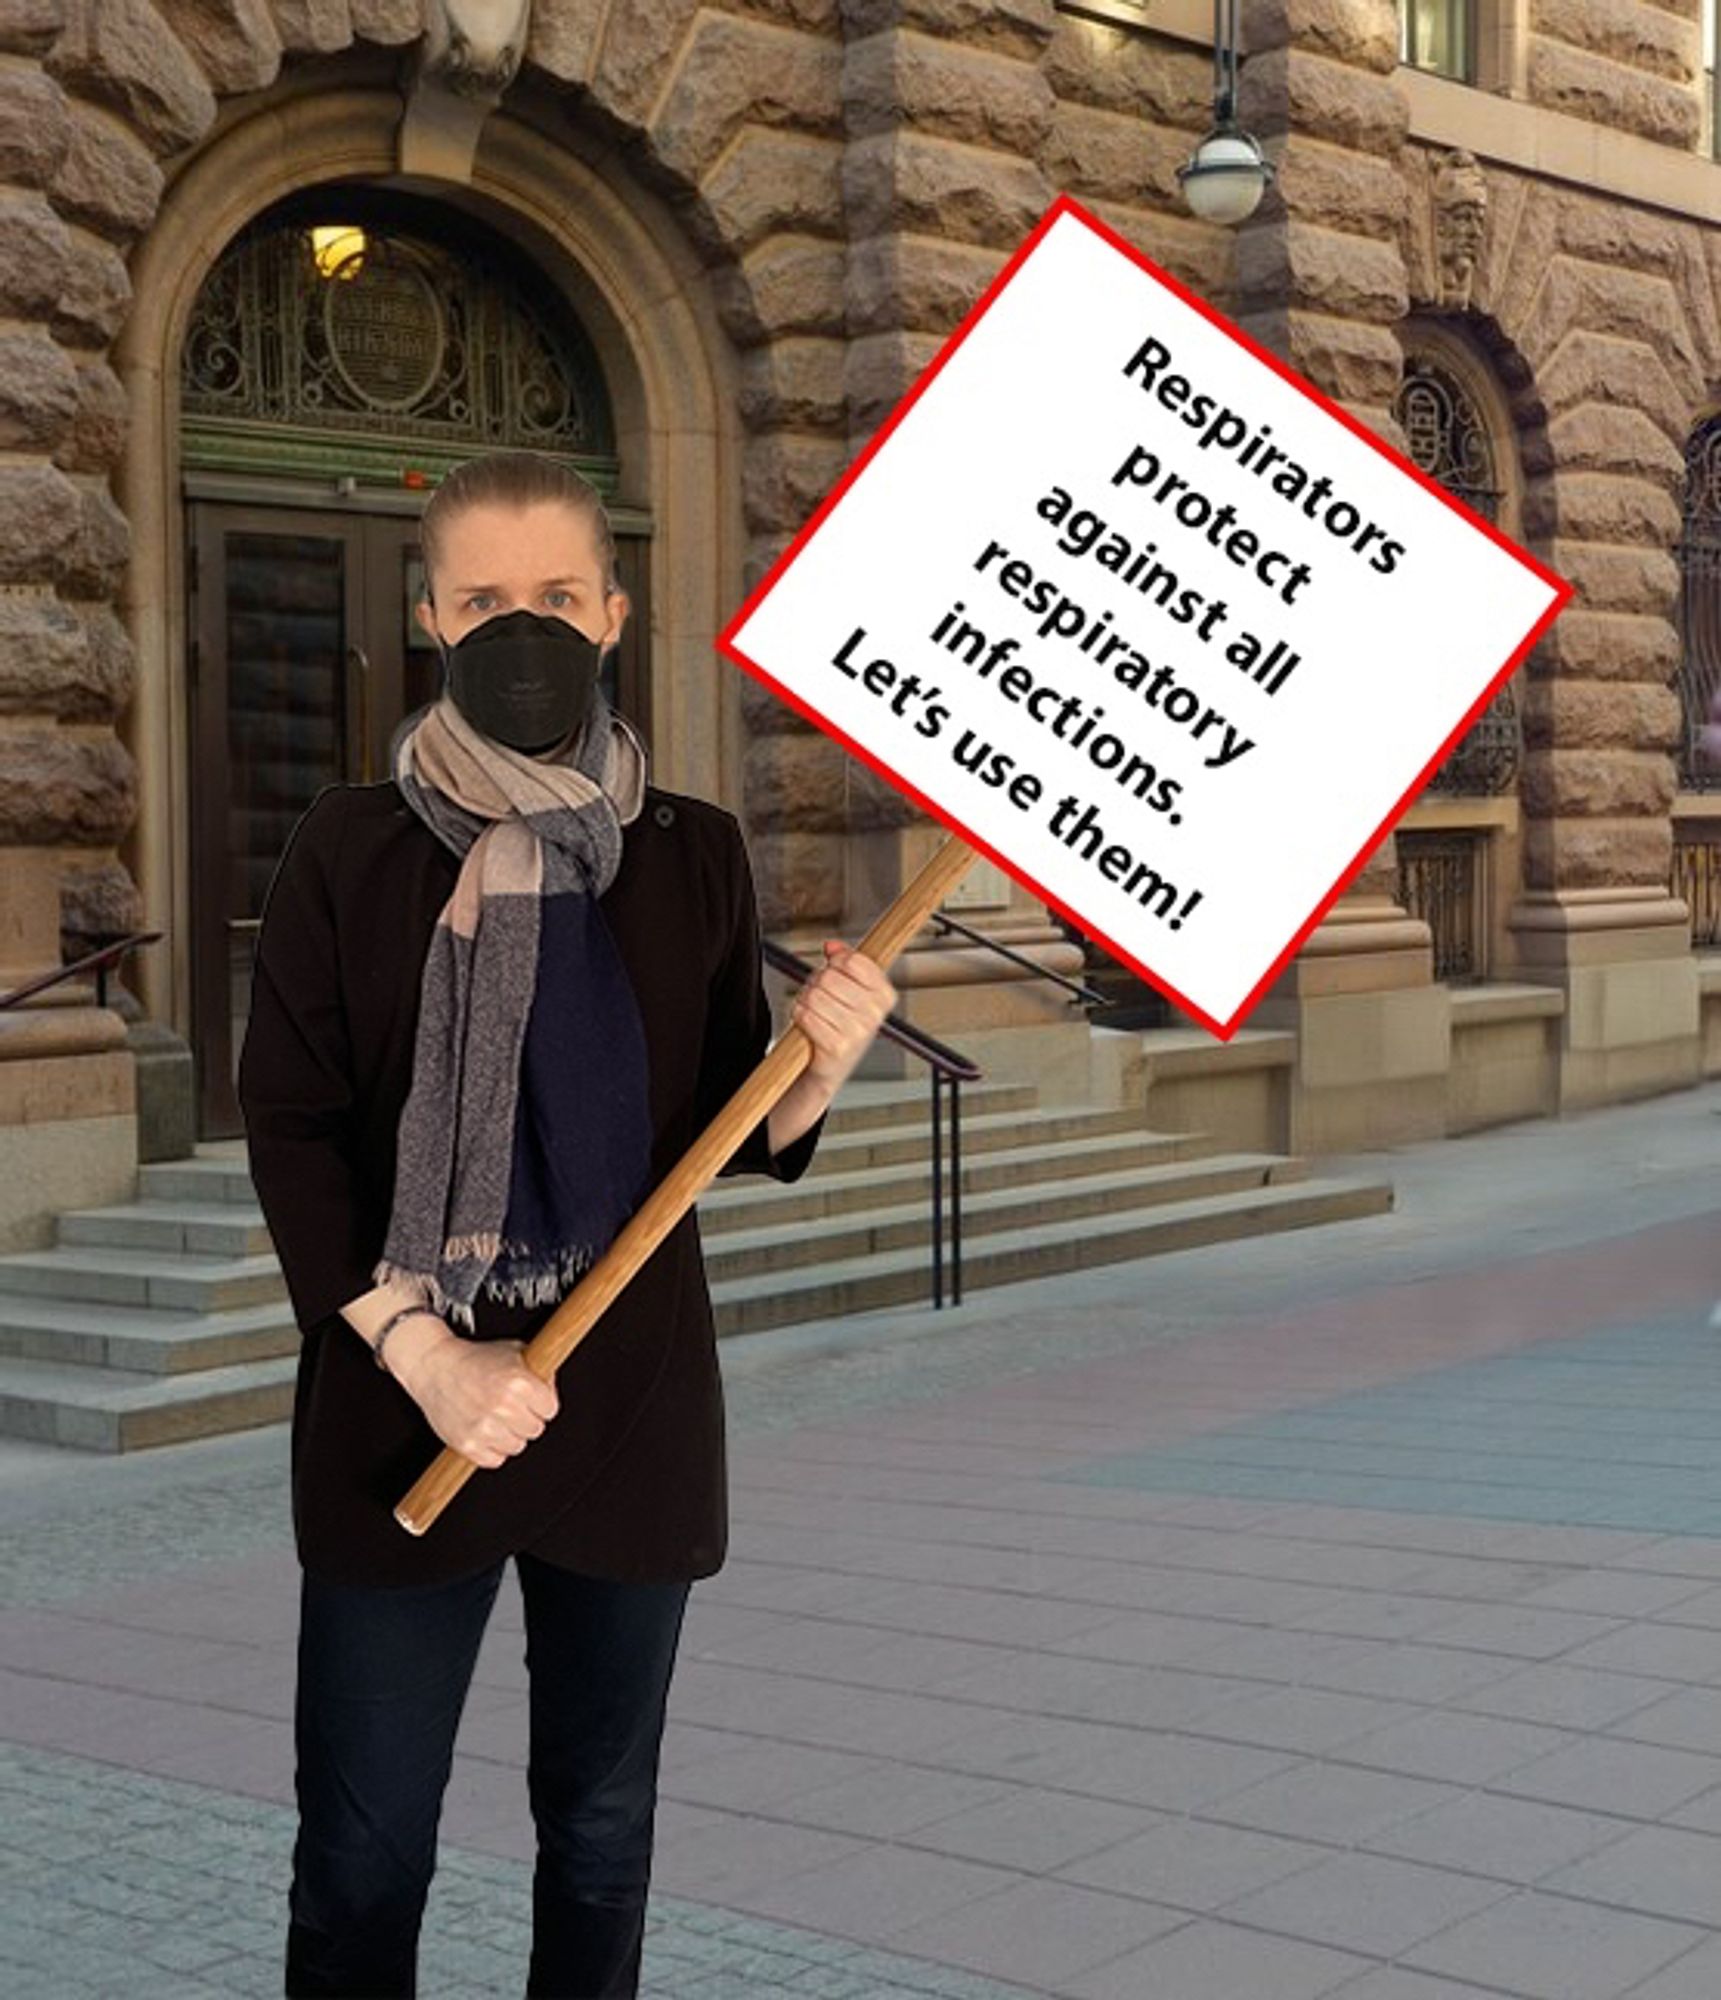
(383, 1676)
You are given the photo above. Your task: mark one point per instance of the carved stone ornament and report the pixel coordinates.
(1460, 196)
(471, 52)
(474, 47)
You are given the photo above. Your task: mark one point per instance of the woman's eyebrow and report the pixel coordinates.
(549, 583)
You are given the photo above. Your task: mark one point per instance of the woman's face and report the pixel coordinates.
(540, 558)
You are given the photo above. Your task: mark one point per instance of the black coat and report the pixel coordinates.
(628, 1479)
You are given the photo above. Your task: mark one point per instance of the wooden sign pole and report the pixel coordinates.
(670, 1200)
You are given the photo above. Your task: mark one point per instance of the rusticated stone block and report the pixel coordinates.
(234, 42)
(974, 95)
(1609, 233)
(77, 790)
(797, 782)
(1608, 646)
(35, 127)
(915, 281)
(762, 712)
(1605, 783)
(1358, 193)
(1320, 270)
(1645, 38)
(1197, 253)
(767, 183)
(313, 27)
(1114, 69)
(1595, 715)
(34, 249)
(123, 54)
(104, 688)
(1597, 437)
(875, 805)
(785, 476)
(1104, 155)
(792, 384)
(729, 73)
(1016, 27)
(97, 436)
(563, 39)
(787, 284)
(638, 51)
(879, 369)
(1608, 93)
(1597, 853)
(1627, 304)
(1609, 578)
(29, 27)
(1599, 507)
(38, 392)
(98, 901)
(1288, 90)
(1604, 368)
(94, 560)
(391, 22)
(798, 878)
(106, 179)
(1350, 361)
(1363, 33)
(95, 293)
(43, 655)
(820, 17)
(937, 188)
(43, 512)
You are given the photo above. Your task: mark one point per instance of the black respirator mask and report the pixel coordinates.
(523, 680)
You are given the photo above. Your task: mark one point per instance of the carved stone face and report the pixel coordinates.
(475, 46)
(1460, 222)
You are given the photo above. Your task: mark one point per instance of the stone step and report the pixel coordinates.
(105, 1409)
(984, 1132)
(770, 1246)
(901, 1277)
(744, 1201)
(186, 1228)
(157, 1279)
(141, 1341)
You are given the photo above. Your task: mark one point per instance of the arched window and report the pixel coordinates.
(1700, 600)
(1450, 440)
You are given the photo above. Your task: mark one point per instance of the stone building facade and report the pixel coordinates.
(752, 223)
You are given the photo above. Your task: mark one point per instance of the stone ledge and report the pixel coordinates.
(1481, 1006)
(1179, 1052)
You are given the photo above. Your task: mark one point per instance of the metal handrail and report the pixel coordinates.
(1087, 995)
(948, 1067)
(108, 955)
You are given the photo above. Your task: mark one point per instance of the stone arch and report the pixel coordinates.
(638, 289)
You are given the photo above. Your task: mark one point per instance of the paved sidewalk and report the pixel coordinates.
(1336, 1614)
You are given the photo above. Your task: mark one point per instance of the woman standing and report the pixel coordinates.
(496, 998)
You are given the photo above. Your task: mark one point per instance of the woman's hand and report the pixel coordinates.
(839, 1010)
(479, 1397)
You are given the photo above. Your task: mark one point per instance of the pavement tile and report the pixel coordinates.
(1667, 1652)
(1405, 1670)
(1333, 1802)
(1696, 1976)
(1688, 1720)
(1193, 1865)
(1514, 1840)
(1523, 1631)
(1206, 1960)
(1658, 1869)
(875, 1895)
(1035, 1831)
(1564, 1697)
(1604, 1774)
(1552, 1948)
(1366, 1903)
(1138, 1767)
(1394, 1983)
(889, 1801)
(1038, 1933)
(725, 1860)
(764, 1774)
(1618, 1593)
(1457, 1748)
(1309, 1720)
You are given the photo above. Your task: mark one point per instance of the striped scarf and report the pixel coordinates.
(525, 1140)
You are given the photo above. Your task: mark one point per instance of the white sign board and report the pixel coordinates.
(1141, 615)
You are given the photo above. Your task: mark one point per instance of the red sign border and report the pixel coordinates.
(1068, 205)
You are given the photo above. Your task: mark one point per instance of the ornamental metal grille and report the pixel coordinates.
(1697, 883)
(1439, 880)
(1700, 601)
(400, 336)
(1449, 441)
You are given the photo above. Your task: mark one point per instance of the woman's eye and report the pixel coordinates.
(557, 597)
(478, 601)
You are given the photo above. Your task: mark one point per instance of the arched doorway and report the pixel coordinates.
(347, 348)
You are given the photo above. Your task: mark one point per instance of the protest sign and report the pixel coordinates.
(1137, 612)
